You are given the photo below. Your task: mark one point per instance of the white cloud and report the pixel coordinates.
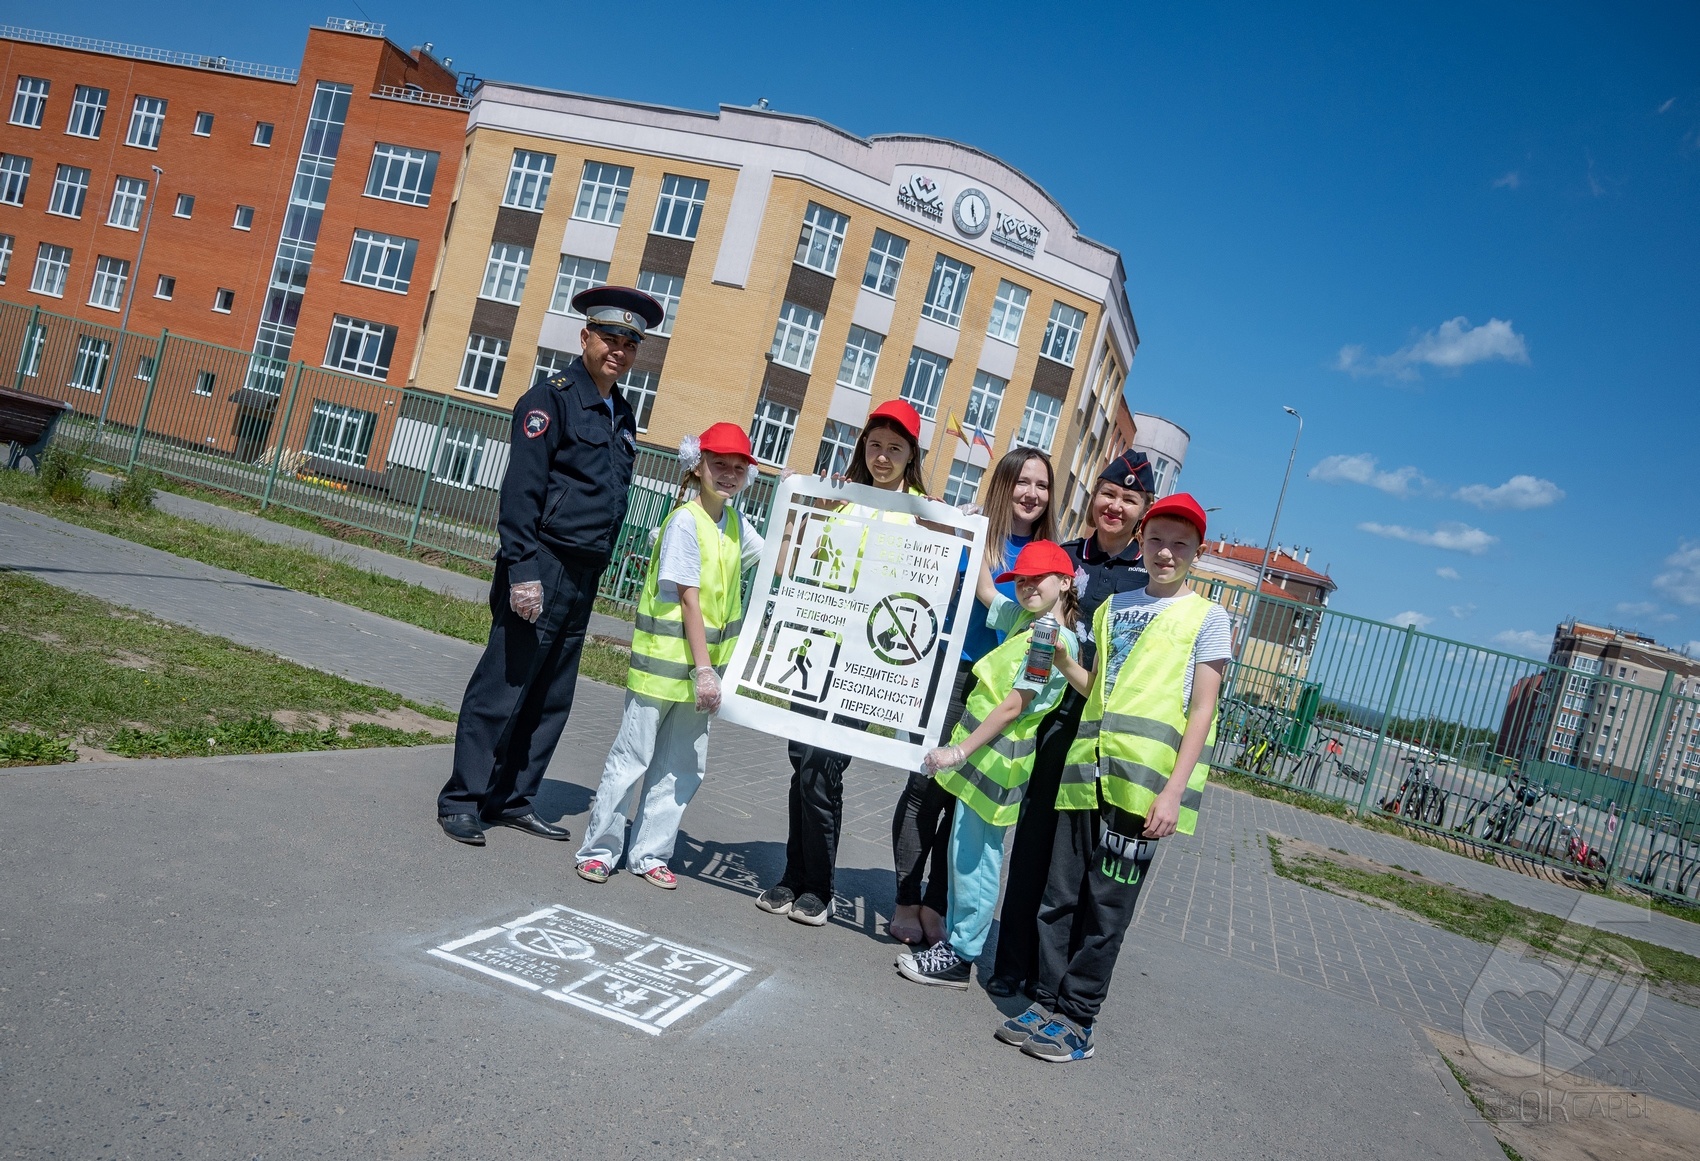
(1524, 641)
(1665, 108)
(1446, 573)
(1681, 579)
(1412, 617)
(1361, 469)
(1509, 181)
(1520, 492)
(1451, 536)
(1637, 608)
(1461, 611)
(1451, 346)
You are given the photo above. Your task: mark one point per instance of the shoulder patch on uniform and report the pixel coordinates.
(536, 423)
(631, 441)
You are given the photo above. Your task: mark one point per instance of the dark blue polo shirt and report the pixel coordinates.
(1097, 577)
(569, 473)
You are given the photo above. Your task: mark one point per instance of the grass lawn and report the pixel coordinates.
(80, 670)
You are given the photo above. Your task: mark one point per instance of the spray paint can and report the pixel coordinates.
(1041, 648)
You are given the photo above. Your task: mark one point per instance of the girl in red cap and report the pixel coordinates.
(887, 456)
(993, 745)
(687, 624)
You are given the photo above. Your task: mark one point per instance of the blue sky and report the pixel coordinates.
(1461, 239)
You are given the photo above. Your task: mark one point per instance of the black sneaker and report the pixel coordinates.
(776, 900)
(939, 965)
(810, 909)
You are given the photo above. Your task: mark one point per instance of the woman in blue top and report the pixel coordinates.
(1018, 510)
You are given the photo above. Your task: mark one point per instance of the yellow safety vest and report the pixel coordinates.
(661, 657)
(1130, 738)
(993, 779)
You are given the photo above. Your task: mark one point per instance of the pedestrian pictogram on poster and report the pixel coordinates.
(856, 619)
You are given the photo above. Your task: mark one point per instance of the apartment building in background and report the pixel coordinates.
(1278, 640)
(808, 275)
(292, 213)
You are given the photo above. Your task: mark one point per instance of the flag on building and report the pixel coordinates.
(979, 438)
(953, 426)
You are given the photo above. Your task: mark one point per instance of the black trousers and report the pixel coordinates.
(1030, 858)
(520, 695)
(816, 804)
(920, 826)
(1090, 897)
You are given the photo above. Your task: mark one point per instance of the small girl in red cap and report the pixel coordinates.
(687, 624)
(993, 744)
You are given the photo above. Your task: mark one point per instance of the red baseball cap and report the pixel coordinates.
(728, 439)
(1040, 558)
(1180, 506)
(901, 414)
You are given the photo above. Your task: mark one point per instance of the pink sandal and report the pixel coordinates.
(662, 877)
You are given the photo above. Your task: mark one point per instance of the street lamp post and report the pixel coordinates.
(1269, 547)
(129, 301)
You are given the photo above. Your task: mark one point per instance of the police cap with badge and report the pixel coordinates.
(1131, 469)
(619, 310)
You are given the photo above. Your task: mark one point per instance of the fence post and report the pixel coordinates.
(1649, 755)
(1386, 717)
(425, 481)
(24, 351)
(283, 434)
(147, 399)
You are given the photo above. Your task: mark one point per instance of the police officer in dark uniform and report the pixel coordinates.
(569, 469)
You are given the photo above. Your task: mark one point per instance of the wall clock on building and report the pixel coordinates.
(972, 212)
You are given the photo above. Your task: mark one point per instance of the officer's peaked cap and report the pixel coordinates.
(619, 308)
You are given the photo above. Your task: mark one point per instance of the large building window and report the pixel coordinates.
(1008, 309)
(398, 174)
(14, 178)
(822, 238)
(602, 192)
(947, 291)
(795, 337)
(70, 190)
(665, 289)
(576, 274)
(984, 400)
(963, 484)
(1062, 333)
(30, 102)
(549, 362)
(924, 380)
(52, 265)
(481, 369)
(837, 443)
(110, 277)
(504, 274)
(360, 347)
(861, 355)
(528, 180)
(460, 453)
(340, 433)
(88, 112)
(678, 211)
(885, 263)
(1038, 422)
(771, 431)
(639, 389)
(6, 242)
(383, 261)
(129, 198)
(93, 355)
(147, 120)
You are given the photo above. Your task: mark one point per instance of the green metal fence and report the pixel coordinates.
(421, 468)
(1586, 772)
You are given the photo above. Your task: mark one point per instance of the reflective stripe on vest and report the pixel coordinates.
(993, 779)
(661, 657)
(1125, 750)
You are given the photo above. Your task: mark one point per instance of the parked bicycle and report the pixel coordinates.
(1673, 868)
(1418, 798)
(1559, 837)
(1326, 755)
(1262, 728)
(1505, 811)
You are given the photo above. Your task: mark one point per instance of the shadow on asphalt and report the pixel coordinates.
(557, 800)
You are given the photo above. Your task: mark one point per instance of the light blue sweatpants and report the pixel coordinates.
(976, 867)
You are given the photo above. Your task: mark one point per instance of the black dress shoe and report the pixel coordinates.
(1002, 987)
(463, 828)
(531, 824)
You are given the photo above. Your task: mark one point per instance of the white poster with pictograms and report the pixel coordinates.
(856, 620)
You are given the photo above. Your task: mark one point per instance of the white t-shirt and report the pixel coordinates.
(681, 555)
(1130, 612)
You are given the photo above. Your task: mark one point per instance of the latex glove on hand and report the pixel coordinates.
(526, 600)
(943, 758)
(708, 689)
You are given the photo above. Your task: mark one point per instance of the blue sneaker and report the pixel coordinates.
(1017, 1030)
(1062, 1039)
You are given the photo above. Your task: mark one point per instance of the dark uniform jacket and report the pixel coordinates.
(1098, 577)
(569, 472)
